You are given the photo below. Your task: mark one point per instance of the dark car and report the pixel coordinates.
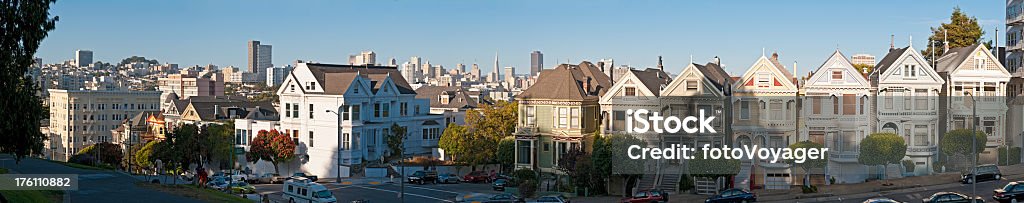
(881, 200)
(477, 176)
(1012, 191)
(506, 197)
(733, 195)
(945, 197)
(304, 175)
(984, 173)
(499, 184)
(645, 196)
(423, 177)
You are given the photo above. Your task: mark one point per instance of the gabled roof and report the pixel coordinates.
(715, 73)
(821, 75)
(653, 79)
(333, 73)
(782, 68)
(459, 97)
(954, 57)
(889, 59)
(569, 82)
(210, 108)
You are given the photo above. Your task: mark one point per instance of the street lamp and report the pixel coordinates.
(338, 159)
(974, 144)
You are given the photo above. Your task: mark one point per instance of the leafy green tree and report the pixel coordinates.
(24, 24)
(140, 59)
(185, 141)
(961, 31)
(217, 143)
(485, 127)
(395, 140)
(958, 142)
(108, 153)
(610, 160)
(506, 153)
(271, 146)
(144, 156)
(882, 149)
(861, 68)
(808, 164)
(701, 166)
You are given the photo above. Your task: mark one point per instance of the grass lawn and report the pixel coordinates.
(78, 166)
(194, 192)
(31, 195)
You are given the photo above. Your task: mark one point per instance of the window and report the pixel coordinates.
(355, 89)
(744, 110)
(310, 138)
(574, 118)
(988, 124)
(531, 116)
(287, 110)
(979, 61)
(523, 152)
(630, 91)
(310, 111)
(345, 112)
(295, 136)
(355, 112)
(921, 99)
(835, 105)
(376, 110)
(346, 141)
(837, 75)
(691, 85)
(776, 110)
(763, 78)
(547, 146)
(816, 105)
(906, 100)
(563, 117)
(293, 90)
(849, 104)
(403, 109)
(921, 135)
(386, 110)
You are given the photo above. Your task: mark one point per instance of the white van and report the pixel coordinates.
(300, 189)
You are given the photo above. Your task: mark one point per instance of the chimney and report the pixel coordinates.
(718, 61)
(945, 42)
(586, 85)
(892, 42)
(660, 65)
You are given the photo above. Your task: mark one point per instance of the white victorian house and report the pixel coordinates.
(641, 89)
(340, 114)
(836, 113)
(973, 72)
(764, 114)
(907, 104)
(700, 88)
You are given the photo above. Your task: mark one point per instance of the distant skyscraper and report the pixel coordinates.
(393, 62)
(461, 68)
(83, 58)
(260, 58)
(536, 63)
(510, 76)
(866, 59)
(364, 58)
(276, 75)
(474, 73)
(495, 74)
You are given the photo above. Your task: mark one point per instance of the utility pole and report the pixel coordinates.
(974, 145)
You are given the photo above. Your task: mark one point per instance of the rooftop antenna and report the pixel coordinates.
(892, 41)
(762, 51)
(911, 43)
(691, 58)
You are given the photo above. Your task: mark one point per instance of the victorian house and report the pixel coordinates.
(974, 80)
(907, 104)
(559, 112)
(639, 89)
(836, 113)
(764, 106)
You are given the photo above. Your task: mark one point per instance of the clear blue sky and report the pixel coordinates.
(448, 32)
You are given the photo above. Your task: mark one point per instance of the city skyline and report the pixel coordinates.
(464, 32)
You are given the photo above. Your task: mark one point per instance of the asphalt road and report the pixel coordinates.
(388, 192)
(984, 190)
(94, 186)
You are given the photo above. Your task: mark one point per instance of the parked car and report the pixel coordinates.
(448, 178)
(551, 199)
(1012, 191)
(645, 196)
(733, 195)
(304, 190)
(499, 185)
(477, 176)
(423, 177)
(881, 200)
(217, 183)
(304, 175)
(271, 178)
(241, 187)
(983, 172)
(506, 198)
(951, 197)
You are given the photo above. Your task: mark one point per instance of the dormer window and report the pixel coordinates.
(355, 90)
(691, 85)
(909, 70)
(837, 75)
(979, 61)
(630, 91)
(763, 79)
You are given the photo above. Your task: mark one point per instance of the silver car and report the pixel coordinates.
(448, 178)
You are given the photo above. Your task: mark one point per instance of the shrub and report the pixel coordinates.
(809, 189)
(84, 159)
(831, 180)
(523, 175)
(527, 188)
(1014, 156)
(685, 183)
(909, 165)
(937, 166)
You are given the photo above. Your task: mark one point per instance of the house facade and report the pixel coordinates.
(975, 79)
(559, 112)
(340, 114)
(907, 104)
(640, 89)
(836, 113)
(764, 114)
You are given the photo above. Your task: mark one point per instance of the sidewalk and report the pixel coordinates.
(868, 189)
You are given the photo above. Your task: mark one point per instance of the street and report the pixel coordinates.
(917, 194)
(388, 192)
(94, 186)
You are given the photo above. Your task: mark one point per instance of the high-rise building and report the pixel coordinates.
(1014, 30)
(474, 73)
(866, 59)
(83, 58)
(510, 76)
(260, 58)
(393, 62)
(364, 58)
(276, 75)
(495, 74)
(80, 118)
(536, 62)
(428, 71)
(190, 85)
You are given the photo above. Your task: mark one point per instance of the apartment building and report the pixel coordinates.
(974, 80)
(558, 113)
(85, 117)
(190, 85)
(340, 114)
(764, 114)
(836, 112)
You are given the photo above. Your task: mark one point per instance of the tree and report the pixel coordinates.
(506, 153)
(454, 140)
(960, 31)
(137, 59)
(108, 153)
(271, 146)
(144, 156)
(864, 68)
(218, 143)
(957, 144)
(185, 142)
(395, 140)
(24, 24)
(485, 127)
(610, 161)
(701, 166)
(809, 163)
(494, 121)
(882, 149)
